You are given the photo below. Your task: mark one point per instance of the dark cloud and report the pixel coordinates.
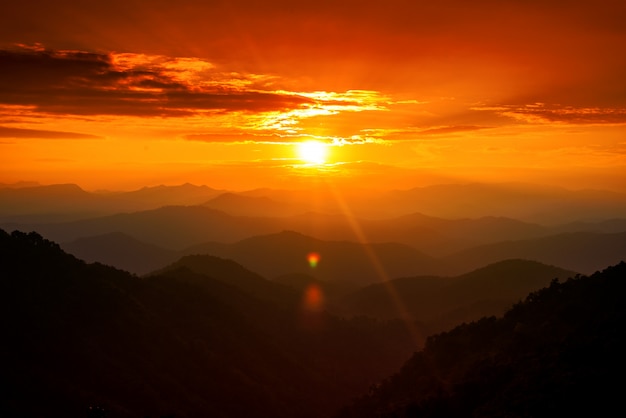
(82, 83)
(566, 114)
(16, 133)
(503, 47)
(412, 134)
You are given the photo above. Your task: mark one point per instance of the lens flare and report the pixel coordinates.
(313, 259)
(313, 298)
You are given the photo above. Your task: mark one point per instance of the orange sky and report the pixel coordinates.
(122, 94)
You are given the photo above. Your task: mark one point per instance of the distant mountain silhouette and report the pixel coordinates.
(442, 302)
(57, 202)
(439, 236)
(158, 196)
(122, 251)
(234, 274)
(240, 205)
(528, 202)
(607, 226)
(245, 215)
(286, 252)
(585, 252)
(556, 354)
(67, 202)
(176, 229)
(171, 227)
(81, 337)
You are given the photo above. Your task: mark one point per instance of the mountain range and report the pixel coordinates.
(285, 252)
(84, 339)
(190, 301)
(527, 202)
(555, 354)
(206, 335)
(442, 302)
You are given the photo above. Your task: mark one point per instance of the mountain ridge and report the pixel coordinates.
(441, 302)
(551, 355)
(178, 343)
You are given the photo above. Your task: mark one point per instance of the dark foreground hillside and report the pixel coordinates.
(87, 340)
(559, 353)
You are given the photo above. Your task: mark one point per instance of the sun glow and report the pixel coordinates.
(313, 152)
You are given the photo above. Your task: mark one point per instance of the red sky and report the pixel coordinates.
(122, 94)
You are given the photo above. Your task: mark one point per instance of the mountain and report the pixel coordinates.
(57, 202)
(439, 236)
(528, 202)
(240, 205)
(122, 251)
(585, 252)
(555, 354)
(89, 340)
(158, 196)
(462, 244)
(68, 202)
(236, 275)
(442, 302)
(286, 252)
(171, 227)
(606, 226)
(178, 227)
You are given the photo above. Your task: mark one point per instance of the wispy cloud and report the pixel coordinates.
(551, 113)
(219, 105)
(16, 133)
(413, 134)
(86, 83)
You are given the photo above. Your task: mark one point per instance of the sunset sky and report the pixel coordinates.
(121, 94)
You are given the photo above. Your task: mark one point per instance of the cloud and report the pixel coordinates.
(16, 133)
(445, 130)
(413, 134)
(85, 83)
(538, 113)
(241, 137)
(269, 138)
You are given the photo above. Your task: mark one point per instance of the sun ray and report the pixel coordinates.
(377, 265)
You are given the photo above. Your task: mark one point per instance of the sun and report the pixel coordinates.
(313, 152)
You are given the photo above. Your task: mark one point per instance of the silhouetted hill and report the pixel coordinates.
(606, 226)
(67, 202)
(158, 196)
(235, 275)
(585, 252)
(240, 205)
(78, 336)
(439, 236)
(442, 302)
(286, 252)
(172, 227)
(59, 202)
(183, 228)
(558, 353)
(178, 227)
(529, 202)
(122, 251)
